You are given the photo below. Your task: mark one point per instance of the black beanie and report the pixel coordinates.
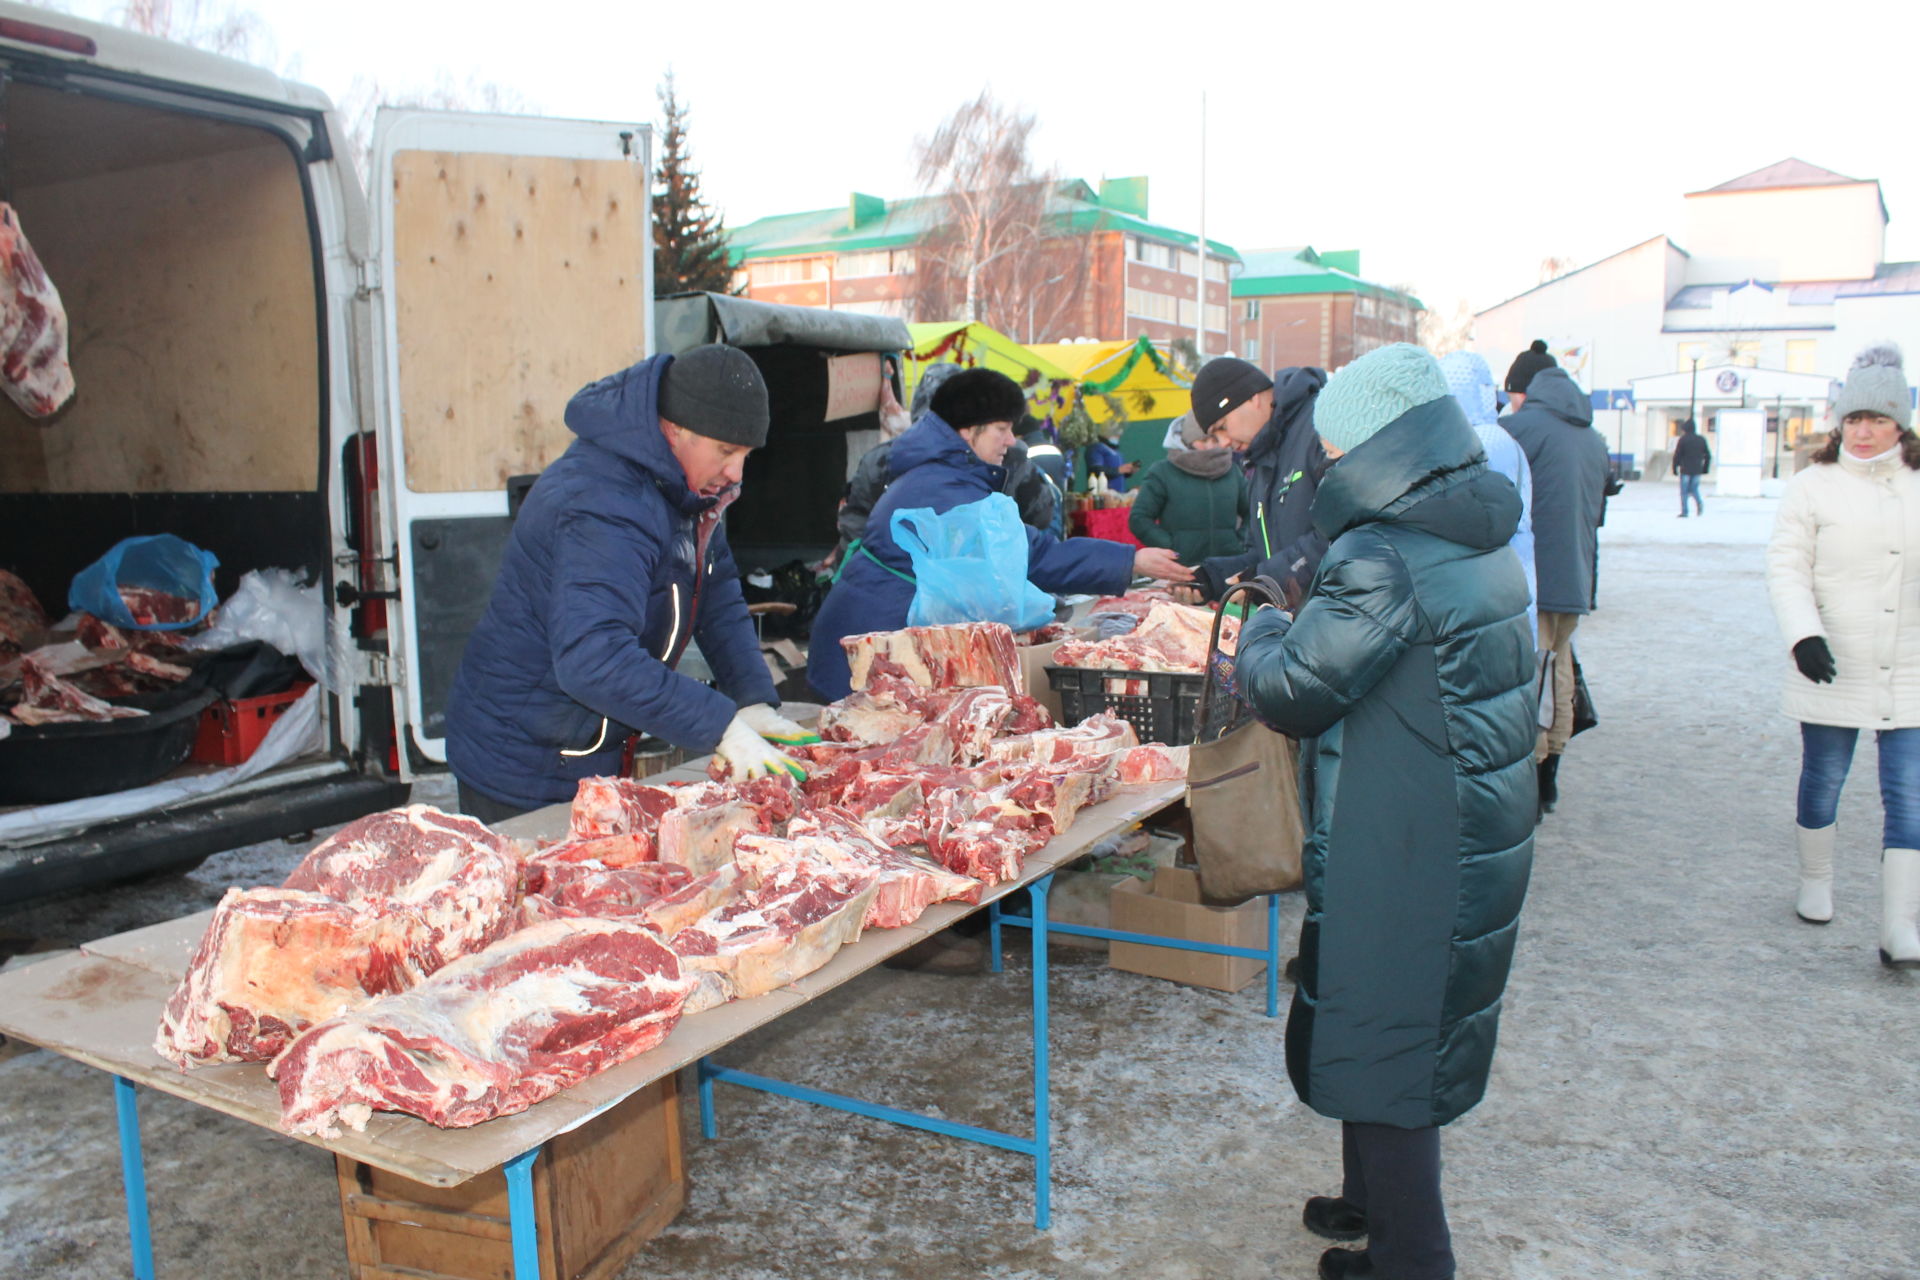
(1527, 364)
(716, 391)
(974, 397)
(1223, 385)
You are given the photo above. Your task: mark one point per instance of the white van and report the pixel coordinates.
(288, 375)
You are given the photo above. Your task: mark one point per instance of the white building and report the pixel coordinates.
(1779, 279)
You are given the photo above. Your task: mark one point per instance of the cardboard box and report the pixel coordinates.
(600, 1192)
(1033, 673)
(1171, 908)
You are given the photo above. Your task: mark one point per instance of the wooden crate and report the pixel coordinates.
(599, 1193)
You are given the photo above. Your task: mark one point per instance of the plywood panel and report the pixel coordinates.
(517, 281)
(189, 289)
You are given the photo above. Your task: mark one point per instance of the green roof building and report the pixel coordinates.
(1301, 306)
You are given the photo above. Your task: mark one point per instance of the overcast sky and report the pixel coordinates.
(1455, 146)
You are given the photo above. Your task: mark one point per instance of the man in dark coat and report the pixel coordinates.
(618, 559)
(1691, 458)
(1554, 427)
(948, 458)
(1271, 421)
(1410, 669)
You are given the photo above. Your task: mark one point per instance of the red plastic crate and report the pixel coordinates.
(230, 732)
(1110, 523)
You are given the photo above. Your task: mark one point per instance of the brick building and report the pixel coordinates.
(1106, 273)
(1300, 307)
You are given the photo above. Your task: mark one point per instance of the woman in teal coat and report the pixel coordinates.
(1193, 501)
(1409, 667)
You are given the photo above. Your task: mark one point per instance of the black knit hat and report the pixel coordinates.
(974, 397)
(716, 391)
(1223, 385)
(1527, 364)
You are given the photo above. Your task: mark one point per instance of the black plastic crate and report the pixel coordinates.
(1166, 712)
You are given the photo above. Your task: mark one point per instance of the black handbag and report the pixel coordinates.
(1584, 716)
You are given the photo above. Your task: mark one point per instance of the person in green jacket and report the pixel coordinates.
(1409, 667)
(1193, 501)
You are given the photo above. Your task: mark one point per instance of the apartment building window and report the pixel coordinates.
(871, 262)
(1364, 307)
(1252, 351)
(1189, 263)
(1189, 313)
(1802, 355)
(1217, 269)
(1149, 253)
(1154, 306)
(1253, 309)
(786, 271)
(1217, 317)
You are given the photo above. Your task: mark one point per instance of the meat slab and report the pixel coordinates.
(791, 923)
(490, 1034)
(959, 656)
(1169, 637)
(33, 327)
(22, 620)
(47, 699)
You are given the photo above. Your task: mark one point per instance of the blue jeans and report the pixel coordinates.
(1825, 754)
(1691, 485)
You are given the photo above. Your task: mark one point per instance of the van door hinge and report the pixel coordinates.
(376, 668)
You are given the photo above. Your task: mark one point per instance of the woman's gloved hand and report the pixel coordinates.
(1815, 660)
(774, 727)
(748, 755)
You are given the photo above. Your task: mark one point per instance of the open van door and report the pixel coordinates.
(514, 265)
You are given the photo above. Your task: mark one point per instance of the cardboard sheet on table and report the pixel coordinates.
(162, 948)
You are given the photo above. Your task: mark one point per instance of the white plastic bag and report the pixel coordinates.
(273, 606)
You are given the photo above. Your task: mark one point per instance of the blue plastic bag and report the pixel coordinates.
(158, 562)
(970, 565)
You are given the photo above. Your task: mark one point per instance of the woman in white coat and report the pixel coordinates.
(1843, 569)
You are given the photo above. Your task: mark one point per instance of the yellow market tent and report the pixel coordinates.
(1150, 389)
(1049, 387)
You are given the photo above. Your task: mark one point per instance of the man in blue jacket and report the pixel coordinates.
(617, 560)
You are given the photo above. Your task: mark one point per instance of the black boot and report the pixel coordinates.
(1339, 1264)
(1334, 1218)
(1548, 772)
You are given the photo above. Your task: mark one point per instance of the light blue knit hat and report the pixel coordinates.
(1470, 381)
(1373, 391)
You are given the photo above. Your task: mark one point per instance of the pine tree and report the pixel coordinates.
(689, 239)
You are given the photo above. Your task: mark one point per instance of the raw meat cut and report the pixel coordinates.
(22, 620)
(632, 848)
(1100, 734)
(1152, 763)
(884, 795)
(271, 963)
(33, 326)
(959, 656)
(790, 924)
(446, 882)
(699, 831)
(907, 886)
(1169, 637)
(47, 699)
(490, 1034)
(617, 806)
(708, 893)
(149, 606)
(593, 889)
(891, 706)
(96, 634)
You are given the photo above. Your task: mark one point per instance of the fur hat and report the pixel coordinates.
(974, 397)
(716, 391)
(1526, 365)
(1876, 384)
(1223, 385)
(1373, 391)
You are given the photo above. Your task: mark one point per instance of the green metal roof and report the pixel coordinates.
(1279, 272)
(1077, 209)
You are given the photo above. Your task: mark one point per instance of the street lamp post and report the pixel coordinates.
(1693, 388)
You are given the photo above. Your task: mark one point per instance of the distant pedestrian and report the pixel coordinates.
(1471, 382)
(1554, 427)
(1691, 458)
(1193, 500)
(1843, 569)
(1410, 670)
(1105, 459)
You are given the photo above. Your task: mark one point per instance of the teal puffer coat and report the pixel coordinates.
(1411, 668)
(1196, 517)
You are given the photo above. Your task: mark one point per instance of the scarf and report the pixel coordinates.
(1207, 464)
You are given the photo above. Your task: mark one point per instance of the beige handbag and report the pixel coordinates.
(1243, 788)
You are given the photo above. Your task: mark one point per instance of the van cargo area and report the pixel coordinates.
(184, 241)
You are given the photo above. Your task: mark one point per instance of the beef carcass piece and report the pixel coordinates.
(1151, 762)
(981, 836)
(793, 922)
(47, 699)
(1100, 734)
(491, 1034)
(595, 889)
(1170, 637)
(33, 326)
(96, 634)
(272, 963)
(961, 655)
(445, 881)
(22, 620)
(148, 605)
(700, 897)
(891, 706)
(884, 795)
(617, 806)
(907, 885)
(699, 831)
(631, 849)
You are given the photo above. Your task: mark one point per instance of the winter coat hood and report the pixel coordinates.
(1555, 391)
(1424, 471)
(1293, 394)
(1472, 384)
(621, 414)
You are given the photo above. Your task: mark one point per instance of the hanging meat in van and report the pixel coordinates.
(33, 326)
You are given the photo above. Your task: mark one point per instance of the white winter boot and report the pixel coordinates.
(1815, 905)
(1900, 905)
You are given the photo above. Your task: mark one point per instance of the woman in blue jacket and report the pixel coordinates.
(950, 457)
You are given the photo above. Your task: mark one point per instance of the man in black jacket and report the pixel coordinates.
(1271, 420)
(1691, 458)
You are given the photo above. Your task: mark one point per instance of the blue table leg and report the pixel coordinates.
(1273, 955)
(993, 935)
(525, 1226)
(1042, 1131)
(709, 1129)
(133, 1172)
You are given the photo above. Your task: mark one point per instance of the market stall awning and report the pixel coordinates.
(1149, 386)
(1049, 387)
